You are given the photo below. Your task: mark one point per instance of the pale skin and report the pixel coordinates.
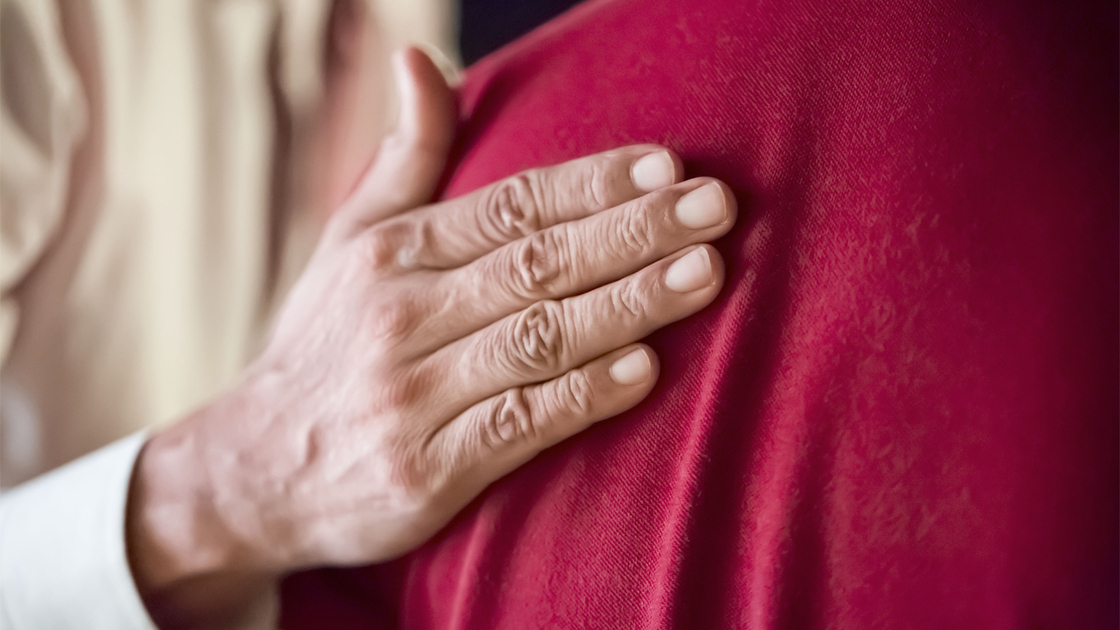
(427, 351)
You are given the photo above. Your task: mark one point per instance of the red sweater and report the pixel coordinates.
(902, 411)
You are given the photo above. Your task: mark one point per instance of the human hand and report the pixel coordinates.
(427, 352)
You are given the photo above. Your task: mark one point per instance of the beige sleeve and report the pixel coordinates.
(42, 120)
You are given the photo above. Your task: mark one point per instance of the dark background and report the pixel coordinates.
(486, 25)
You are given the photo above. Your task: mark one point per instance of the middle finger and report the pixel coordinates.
(573, 257)
(551, 337)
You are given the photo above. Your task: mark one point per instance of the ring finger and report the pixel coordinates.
(551, 337)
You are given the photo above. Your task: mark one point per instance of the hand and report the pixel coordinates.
(427, 352)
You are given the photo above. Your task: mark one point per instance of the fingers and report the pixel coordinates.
(573, 257)
(499, 434)
(551, 337)
(456, 232)
(409, 162)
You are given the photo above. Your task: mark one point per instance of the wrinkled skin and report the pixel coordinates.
(427, 351)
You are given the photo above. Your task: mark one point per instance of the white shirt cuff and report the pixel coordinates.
(63, 562)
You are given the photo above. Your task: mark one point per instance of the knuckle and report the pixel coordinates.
(418, 477)
(537, 336)
(629, 300)
(575, 393)
(414, 237)
(508, 421)
(378, 248)
(537, 264)
(635, 232)
(513, 208)
(391, 320)
(598, 183)
(393, 244)
(397, 395)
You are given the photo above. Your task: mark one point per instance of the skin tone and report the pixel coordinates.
(427, 351)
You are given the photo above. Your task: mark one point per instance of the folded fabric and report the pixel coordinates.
(902, 411)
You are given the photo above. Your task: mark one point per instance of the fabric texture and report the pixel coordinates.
(138, 254)
(902, 410)
(155, 166)
(151, 220)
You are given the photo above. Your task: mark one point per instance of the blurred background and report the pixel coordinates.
(167, 169)
(486, 25)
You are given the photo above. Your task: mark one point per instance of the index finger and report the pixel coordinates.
(453, 233)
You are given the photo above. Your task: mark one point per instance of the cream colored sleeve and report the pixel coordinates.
(43, 118)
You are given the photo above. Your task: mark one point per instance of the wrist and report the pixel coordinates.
(171, 529)
(186, 561)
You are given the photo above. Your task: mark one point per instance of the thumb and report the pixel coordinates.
(410, 161)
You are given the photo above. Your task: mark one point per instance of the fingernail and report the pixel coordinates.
(631, 369)
(703, 207)
(448, 68)
(653, 171)
(693, 271)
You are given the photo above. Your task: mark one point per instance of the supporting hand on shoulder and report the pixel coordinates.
(427, 351)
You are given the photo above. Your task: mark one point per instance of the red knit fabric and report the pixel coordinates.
(902, 411)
